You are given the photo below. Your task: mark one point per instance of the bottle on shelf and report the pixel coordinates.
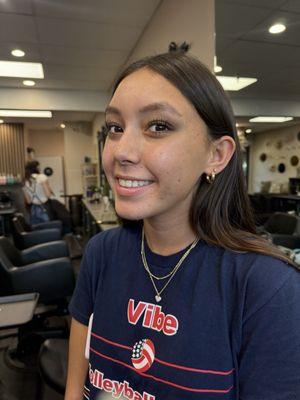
(2, 179)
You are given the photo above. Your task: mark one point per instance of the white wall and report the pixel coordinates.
(78, 140)
(177, 21)
(279, 145)
(97, 124)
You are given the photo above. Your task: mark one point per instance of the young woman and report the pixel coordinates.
(37, 191)
(187, 302)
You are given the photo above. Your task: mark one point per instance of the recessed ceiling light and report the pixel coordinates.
(18, 53)
(26, 113)
(271, 119)
(277, 28)
(1, 121)
(18, 69)
(62, 126)
(234, 83)
(28, 83)
(248, 130)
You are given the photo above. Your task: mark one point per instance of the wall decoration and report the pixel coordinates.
(294, 161)
(288, 138)
(278, 144)
(273, 168)
(263, 157)
(281, 168)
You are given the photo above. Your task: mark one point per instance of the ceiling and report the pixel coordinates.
(81, 43)
(84, 43)
(244, 47)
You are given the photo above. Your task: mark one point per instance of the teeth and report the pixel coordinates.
(128, 183)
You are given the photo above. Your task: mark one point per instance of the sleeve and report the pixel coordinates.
(81, 305)
(269, 361)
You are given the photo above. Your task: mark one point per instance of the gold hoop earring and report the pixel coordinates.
(210, 178)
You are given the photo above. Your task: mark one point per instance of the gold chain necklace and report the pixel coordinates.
(169, 275)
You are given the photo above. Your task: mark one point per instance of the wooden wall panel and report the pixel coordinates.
(12, 154)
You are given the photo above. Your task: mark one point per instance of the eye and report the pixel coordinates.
(113, 128)
(159, 126)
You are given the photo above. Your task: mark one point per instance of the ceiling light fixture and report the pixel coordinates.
(17, 69)
(234, 83)
(28, 83)
(277, 28)
(249, 130)
(18, 53)
(62, 126)
(1, 121)
(26, 113)
(271, 119)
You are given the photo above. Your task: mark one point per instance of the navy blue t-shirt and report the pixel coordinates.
(227, 327)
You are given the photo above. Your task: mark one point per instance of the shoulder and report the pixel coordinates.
(260, 278)
(41, 178)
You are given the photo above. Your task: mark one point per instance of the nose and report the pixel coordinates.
(129, 147)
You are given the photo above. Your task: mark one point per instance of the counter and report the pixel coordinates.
(98, 217)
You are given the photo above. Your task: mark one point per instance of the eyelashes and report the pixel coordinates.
(160, 124)
(155, 126)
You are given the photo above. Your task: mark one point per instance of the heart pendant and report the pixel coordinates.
(157, 298)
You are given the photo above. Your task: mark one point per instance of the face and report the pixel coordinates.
(156, 150)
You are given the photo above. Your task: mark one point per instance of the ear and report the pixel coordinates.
(221, 153)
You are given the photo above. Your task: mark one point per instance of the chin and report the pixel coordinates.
(130, 213)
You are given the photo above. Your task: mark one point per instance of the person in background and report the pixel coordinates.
(184, 301)
(37, 192)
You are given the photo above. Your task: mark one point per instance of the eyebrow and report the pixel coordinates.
(164, 106)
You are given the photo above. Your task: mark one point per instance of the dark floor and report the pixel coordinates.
(20, 382)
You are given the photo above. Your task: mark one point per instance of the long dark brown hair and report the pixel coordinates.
(220, 213)
(31, 167)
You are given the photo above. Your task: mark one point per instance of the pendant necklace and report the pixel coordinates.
(170, 275)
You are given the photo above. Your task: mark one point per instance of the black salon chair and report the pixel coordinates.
(34, 271)
(26, 235)
(39, 252)
(281, 223)
(290, 241)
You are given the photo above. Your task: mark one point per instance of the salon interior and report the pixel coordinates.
(58, 62)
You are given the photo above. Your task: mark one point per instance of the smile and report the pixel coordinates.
(133, 183)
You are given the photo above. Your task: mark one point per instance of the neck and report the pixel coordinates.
(166, 239)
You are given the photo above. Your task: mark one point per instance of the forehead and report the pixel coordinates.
(144, 87)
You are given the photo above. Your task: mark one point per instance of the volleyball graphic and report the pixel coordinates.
(143, 353)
